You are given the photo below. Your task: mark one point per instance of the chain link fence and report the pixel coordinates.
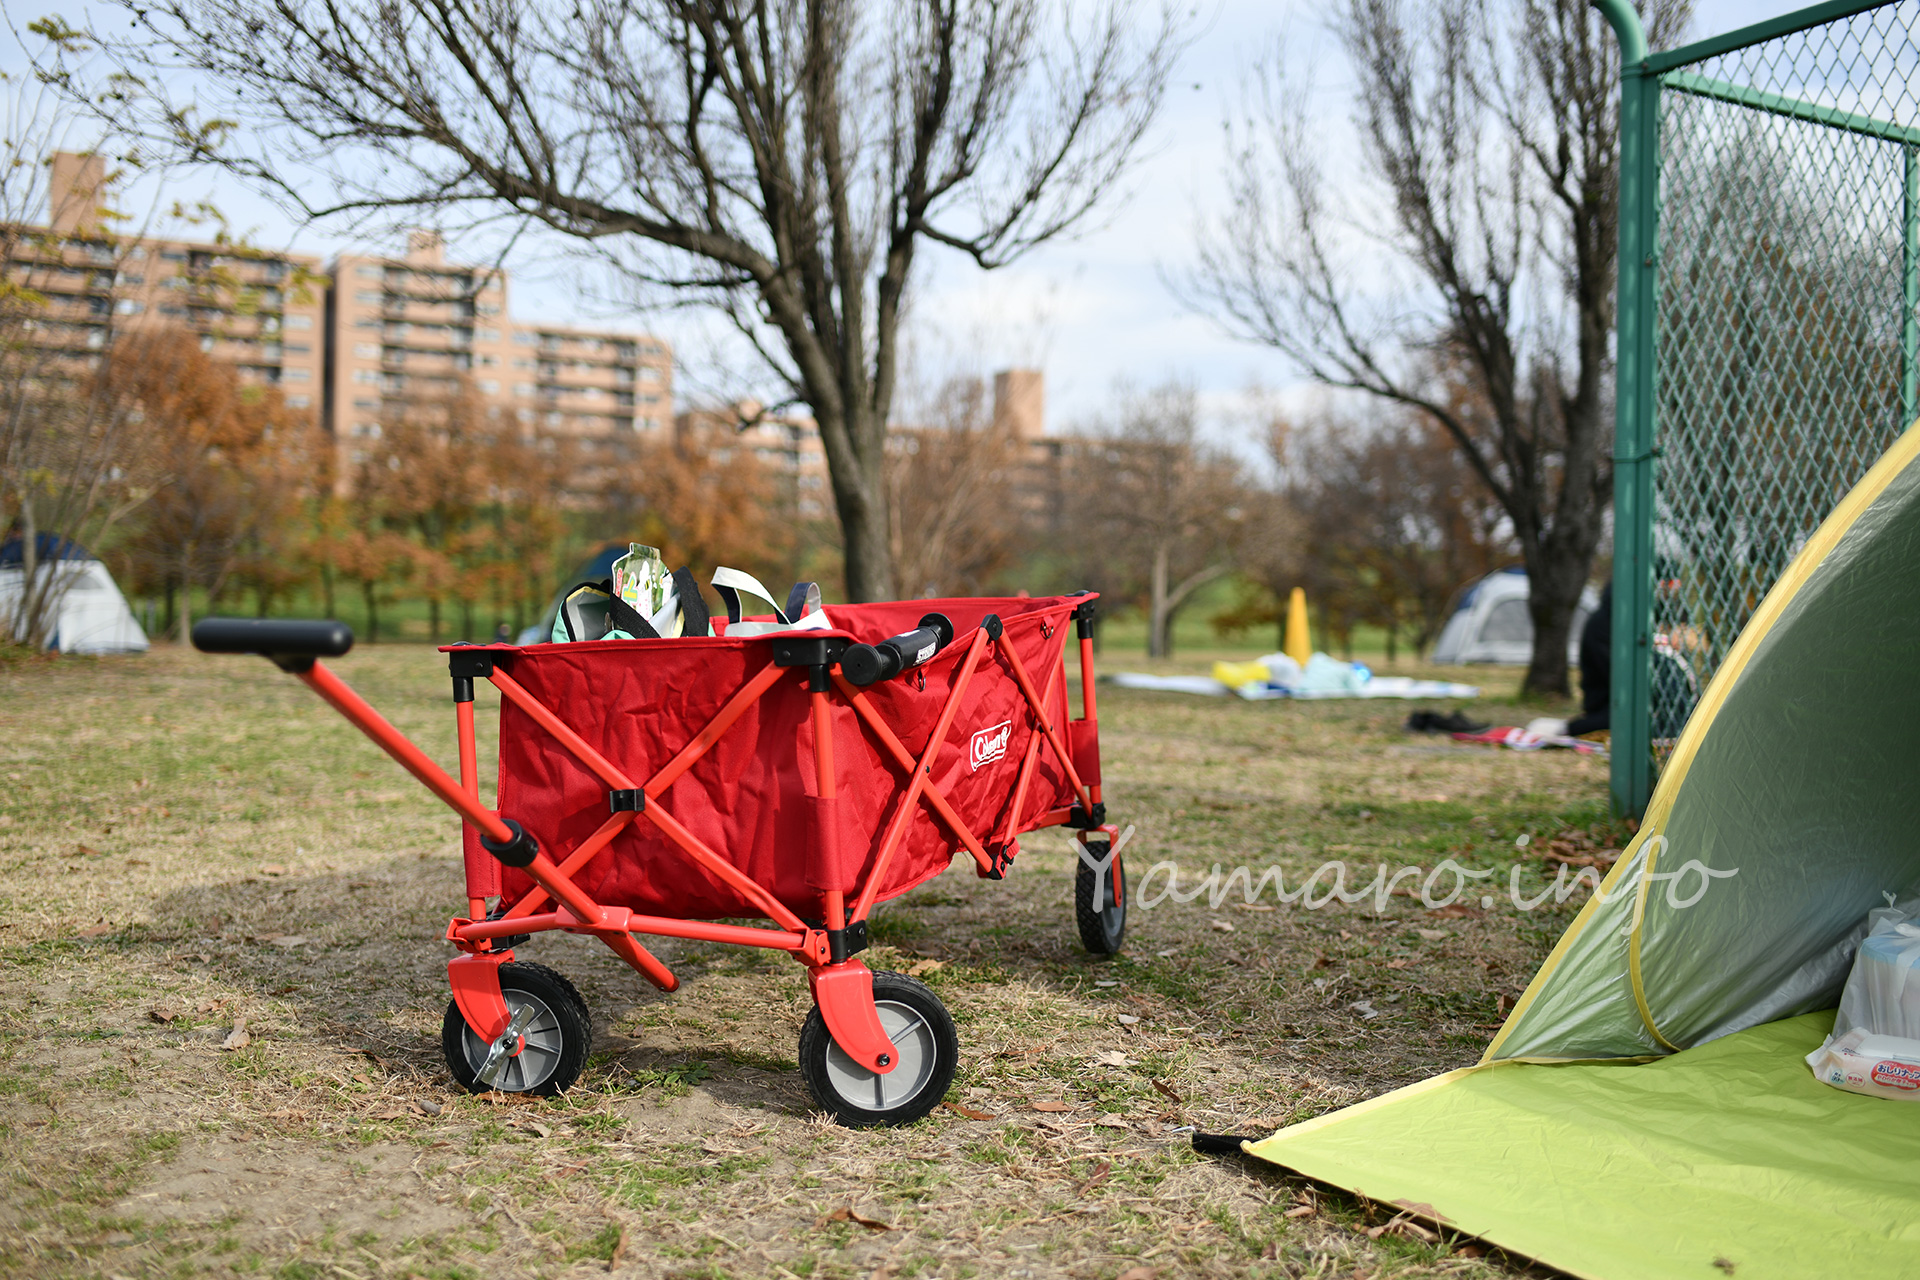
(1785, 271)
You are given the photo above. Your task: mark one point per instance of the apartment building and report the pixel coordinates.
(405, 332)
(257, 310)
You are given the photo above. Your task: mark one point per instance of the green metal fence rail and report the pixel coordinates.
(1769, 327)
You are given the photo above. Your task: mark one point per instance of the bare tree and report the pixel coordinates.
(1490, 129)
(70, 444)
(955, 530)
(1161, 509)
(782, 159)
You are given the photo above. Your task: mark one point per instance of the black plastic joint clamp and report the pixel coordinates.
(1080, 820)
(1083, 619)
(517, 852)
(992, 626)
(634, 801)
(849, 941)
(467, 664)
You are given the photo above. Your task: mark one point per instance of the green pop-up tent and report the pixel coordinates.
(1646, 1110)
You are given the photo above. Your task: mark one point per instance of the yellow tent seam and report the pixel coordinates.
(1653, 848)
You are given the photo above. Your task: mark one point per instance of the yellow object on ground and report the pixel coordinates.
(1785, 813)
(1235, 674)
(1299, 645)
(1729, 1159)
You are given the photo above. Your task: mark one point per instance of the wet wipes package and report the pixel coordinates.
(1875, 1045)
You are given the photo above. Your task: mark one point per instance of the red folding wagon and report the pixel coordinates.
(672, 787)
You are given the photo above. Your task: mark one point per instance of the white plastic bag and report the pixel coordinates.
(1875, 1045)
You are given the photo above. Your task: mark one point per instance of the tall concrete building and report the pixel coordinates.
(359, 343)
(257, 310)
(403, 332)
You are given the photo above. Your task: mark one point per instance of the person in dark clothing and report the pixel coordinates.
(1596, 669)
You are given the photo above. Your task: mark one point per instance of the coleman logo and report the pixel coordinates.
(1896, 1075)
(990, 744)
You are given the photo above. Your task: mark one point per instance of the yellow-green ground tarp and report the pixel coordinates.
(1789, 808)
(1731, 1153)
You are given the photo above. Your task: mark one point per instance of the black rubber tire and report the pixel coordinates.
(915, 1017)
(1103, 926)
(569, 1034)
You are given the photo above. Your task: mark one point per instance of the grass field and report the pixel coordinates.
(191, 844)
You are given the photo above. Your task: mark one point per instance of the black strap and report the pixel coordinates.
(797, 601)
(625, 617)
(693, 605)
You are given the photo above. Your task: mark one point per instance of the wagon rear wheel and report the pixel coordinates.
(925, 1044)
(1099, 898)
(556, 1035)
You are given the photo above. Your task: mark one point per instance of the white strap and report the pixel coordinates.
(730, 583)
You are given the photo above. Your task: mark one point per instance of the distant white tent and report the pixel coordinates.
(1491, 623)
(93, 615)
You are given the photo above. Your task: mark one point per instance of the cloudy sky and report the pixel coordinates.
(1094, 311)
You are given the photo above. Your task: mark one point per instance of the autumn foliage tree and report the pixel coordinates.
(228, 464)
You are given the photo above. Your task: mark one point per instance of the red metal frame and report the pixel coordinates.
(843, 990)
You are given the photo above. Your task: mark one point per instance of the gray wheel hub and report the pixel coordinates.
(531, 1067)
(915, 1055)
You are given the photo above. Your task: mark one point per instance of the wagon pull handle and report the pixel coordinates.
(865, 664)
(289, 643)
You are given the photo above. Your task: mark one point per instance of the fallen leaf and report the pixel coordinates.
(848, 1215)
(1050, 1105)
(238, 1037)
(1345, 936)
(539, 1128)
(427, 1106)
(391, 1113)
(1137, 1273)
(1112, 1058)
(1098, 1176)
(162, 1014)
(1456, 911)
(138, 862)
(273, 869)
(1254, 906)
(1433, 935)
(1301, 1211)
(919, 967)
(88, 851)
(1166, 1091)
(289, 940)
(94, 931)
(1364, 1009)
(1469, 1251)
(1322, 962)
(208, 1006)
(1223, 926)
(1402, 963)
(968, 1112)
(1125, 1019)
(1113, 1120)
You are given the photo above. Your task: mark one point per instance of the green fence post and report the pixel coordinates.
(1630, 713)
(1910, 290)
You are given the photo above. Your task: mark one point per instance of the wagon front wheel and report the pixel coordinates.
(1099, 898)
(556, 1030)
(926, 1051)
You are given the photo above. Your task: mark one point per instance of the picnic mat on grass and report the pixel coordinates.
(1727, 1159)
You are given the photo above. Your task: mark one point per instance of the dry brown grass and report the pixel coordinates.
(172, 820)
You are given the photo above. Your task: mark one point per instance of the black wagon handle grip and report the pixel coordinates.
(292, 643)
(865, 664)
